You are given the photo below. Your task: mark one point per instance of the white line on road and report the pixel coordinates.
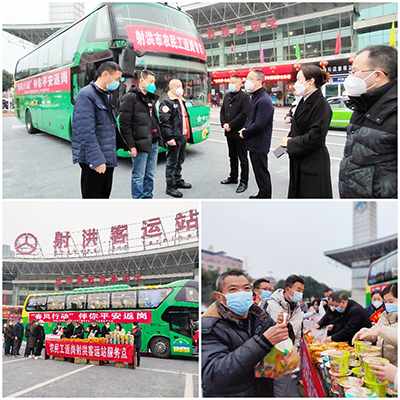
(189, 386)
(20, 359)
(166, 372)
(39, 385)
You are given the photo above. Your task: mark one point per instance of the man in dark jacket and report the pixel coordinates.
(137, 334)
(140, 129)
(369, 166)
(69, 330)
(236, 334)
(176, 131)
(9, 336)
(332, 318)
(258, 131)
(39, 336)
(233, 115)
(94, 132)
(27, 334)
(18, 335)
(353, 319)
(93, 330)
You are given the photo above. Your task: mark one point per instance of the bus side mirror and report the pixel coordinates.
(127, 55)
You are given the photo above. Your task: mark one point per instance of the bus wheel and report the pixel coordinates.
(160, 347)
(28, 122)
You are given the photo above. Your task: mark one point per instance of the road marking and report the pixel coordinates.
(39, 385)
(189, 386)
(166, 372)
(20, 359)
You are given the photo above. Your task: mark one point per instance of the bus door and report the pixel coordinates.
(181, 333)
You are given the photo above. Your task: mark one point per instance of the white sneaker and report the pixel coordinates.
(30, 356)
(36, 357)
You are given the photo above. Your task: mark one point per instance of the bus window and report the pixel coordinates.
(98, 301)
(188, 294)
(55, 51)
(71, 41)
(36, 303)
(377, 273)
(391, 268)
(123, 299)
(76, 302)
(100, 30)
(43, 58)
(152, 298)
(56, 303)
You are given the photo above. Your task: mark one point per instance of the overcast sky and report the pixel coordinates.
(43, 218)
(288, 237)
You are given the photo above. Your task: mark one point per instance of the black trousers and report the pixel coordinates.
(174, 159)
(17, 345)
(237, 152)
(95, 185)
(137, 349)
(38, 348)
(259, 162)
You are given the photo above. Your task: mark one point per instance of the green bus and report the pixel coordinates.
(381, 273)
(168, 314)
(137, 36)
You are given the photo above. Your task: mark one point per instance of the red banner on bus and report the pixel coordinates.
(162, 40)
(57, 81)
(101, 316)
(91, 351)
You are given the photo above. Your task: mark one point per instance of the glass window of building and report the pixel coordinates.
(312, 25)
(330, 22)
(345, 19)
(123, 299)
(98, 301)
(296, 29)
(152, 298)
(76, 301)
(36, 303)
(56, 303)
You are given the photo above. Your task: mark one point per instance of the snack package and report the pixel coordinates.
(281, 360)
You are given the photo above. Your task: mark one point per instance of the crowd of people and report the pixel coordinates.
(35, 335)
(368, 168)
(245, 322)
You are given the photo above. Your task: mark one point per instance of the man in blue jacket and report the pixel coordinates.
(94, 132)
(257, 132)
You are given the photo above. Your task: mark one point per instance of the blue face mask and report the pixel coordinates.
(239, 302)
(265, 294)
(296, 297)
(232, 87)
(391, 307)
(112, 86)
(150, 87)
(341, 310)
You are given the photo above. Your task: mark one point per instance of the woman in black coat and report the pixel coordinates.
(310, 175)
(79, 332)
(39, 335)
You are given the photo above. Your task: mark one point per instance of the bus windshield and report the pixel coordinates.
(383, 270)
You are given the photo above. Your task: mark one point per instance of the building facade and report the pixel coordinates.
(219, 261)
(66, 12)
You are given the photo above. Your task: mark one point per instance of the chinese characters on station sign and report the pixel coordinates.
(162, 40)
(100, 279)
(186, 225)
(58, 81)
(123, 317)
(119, 238)
(255, 26)
(153, 232)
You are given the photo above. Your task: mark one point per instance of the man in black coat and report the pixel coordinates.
(233, 115)
(39, 336)
(176, 131)
(354, 317)
(140, 129)
(332, 318)
(258, 131)
(18, 335)
(236, 334)
(137, 333)
(69, 330)
(369, 166)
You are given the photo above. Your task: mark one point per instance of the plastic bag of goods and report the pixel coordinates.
(281, 360)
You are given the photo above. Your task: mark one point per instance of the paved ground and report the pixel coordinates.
(40, 165)
(175, 377)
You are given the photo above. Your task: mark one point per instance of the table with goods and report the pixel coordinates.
(338, 369)
(112, 348)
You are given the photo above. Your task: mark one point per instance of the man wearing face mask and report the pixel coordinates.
(233, 115)
(369, 166)
(95, 132)
(236, 334)
(140, 128)
(176, 131)
(258, 131)
(354, 317)
(287, 300)
(332, 318)
(261, 290)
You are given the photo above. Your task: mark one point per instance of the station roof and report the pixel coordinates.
(365, 251)
(34, 33)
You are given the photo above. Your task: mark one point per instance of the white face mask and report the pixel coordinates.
(333, 308)
(249, 85)
(179, 91)
(300, 88)
(356, 86)
(377, 304)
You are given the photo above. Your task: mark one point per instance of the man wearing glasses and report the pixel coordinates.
(369, 166)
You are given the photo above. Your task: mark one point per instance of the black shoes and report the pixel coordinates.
(255, 197)
(228, 181)
(174, 192)
(183, 185)
(241, 188)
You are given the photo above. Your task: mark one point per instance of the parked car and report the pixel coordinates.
(340, 113)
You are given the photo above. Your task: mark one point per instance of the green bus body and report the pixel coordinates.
(79, 49)
(170, 331)
(381, 273)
